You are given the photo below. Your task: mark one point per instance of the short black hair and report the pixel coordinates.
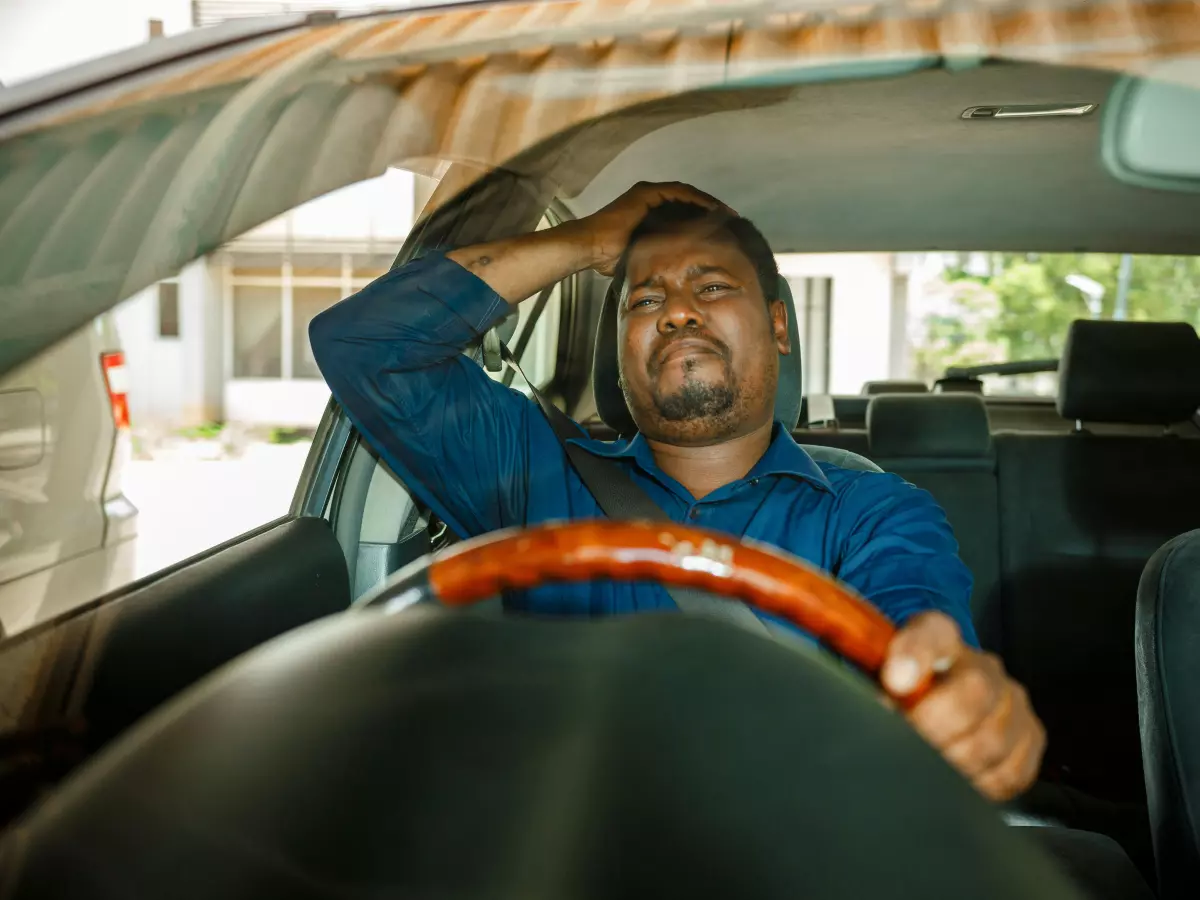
(674, 214)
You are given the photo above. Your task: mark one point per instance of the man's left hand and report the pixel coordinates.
(975, 714)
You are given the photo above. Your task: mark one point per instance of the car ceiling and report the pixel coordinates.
(889, 164)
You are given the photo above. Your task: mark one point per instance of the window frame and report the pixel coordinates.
(347, 282)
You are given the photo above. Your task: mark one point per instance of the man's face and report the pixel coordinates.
(697, 343)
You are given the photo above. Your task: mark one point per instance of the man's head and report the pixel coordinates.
(700, 325)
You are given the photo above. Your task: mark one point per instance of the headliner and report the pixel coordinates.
(888, 164)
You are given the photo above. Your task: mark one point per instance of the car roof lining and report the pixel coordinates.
(888, 164)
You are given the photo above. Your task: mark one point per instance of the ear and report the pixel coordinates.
(779, 326)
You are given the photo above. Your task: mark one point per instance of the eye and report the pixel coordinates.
(714, 287)
(642, 301)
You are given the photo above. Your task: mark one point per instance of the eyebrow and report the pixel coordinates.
(697, 271)
(692, 272)
(652, 281)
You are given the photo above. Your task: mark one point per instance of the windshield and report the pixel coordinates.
(867, 317)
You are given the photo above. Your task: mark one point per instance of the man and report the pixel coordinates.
(700, 330)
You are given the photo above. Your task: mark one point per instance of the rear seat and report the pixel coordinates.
(942, 443)
(1080, 514)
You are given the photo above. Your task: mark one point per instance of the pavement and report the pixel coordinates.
(192, 496)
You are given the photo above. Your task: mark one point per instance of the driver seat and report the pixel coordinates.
(610, 401)
(1167, 647)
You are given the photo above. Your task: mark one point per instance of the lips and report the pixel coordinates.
(686, 346)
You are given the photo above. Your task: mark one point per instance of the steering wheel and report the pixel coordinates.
(672, 554)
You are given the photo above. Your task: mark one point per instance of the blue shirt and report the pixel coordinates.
(482, 456)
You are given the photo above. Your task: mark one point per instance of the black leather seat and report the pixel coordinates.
(943, 443)
(1168, 680)
(1080, 514)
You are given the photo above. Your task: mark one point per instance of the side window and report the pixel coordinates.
(184, 417)
(534, 341)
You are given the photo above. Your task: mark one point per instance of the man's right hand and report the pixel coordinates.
(608, 229)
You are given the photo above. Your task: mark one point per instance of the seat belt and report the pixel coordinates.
(620, 498)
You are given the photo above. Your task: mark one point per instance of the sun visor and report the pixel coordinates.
(1151, 134)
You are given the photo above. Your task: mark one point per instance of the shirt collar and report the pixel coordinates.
(783, 457)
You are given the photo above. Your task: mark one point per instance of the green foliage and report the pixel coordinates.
(289, 435)
(1021, 309)
(206, 432)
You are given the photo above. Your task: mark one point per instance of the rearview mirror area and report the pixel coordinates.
(1151, 131)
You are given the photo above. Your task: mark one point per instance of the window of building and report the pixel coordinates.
(257, 331)
(168, 309)
(307, 304)
(272, 298)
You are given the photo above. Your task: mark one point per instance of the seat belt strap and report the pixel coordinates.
(620, 498)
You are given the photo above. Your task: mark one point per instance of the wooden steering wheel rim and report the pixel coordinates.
(665, 552)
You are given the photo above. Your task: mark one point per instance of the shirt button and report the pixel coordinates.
(695, 513)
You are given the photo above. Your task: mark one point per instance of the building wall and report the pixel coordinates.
(154, 365)
(861, 344)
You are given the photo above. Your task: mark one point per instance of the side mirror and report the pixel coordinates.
(1151, 130)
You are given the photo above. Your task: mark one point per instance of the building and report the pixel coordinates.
(227, 340)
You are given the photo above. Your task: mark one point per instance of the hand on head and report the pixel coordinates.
(608, 229)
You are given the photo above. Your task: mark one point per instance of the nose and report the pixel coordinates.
(679, 311)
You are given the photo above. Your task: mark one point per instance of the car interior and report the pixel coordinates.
(1058, 505)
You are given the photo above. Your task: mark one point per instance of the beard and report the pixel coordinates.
(696, 399)
(703, 406)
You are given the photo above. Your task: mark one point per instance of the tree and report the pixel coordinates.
(1030, 305)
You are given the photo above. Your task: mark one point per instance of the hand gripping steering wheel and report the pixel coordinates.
(665, 552)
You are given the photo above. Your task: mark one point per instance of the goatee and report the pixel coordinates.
(696, 400)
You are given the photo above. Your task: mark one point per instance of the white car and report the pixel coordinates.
(66, 528)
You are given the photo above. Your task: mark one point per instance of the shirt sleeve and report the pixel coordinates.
(392, 356)
(900, 553)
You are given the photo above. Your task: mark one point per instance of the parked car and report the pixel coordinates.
(236, 725)
(66, 528)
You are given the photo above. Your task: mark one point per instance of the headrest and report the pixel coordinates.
(1129, 372)
(610, 402)
(958, 385)
(942, 426)
(875, 388)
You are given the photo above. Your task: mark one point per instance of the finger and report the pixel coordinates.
(678, 190)
(929, 644)
(1016, 772)
(959, 702)
(989, 743)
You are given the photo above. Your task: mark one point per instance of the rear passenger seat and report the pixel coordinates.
(1080, 514)
(942, 443)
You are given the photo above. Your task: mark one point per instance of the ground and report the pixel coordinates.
(192, 495)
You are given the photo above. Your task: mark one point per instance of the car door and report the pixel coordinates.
(71, 684)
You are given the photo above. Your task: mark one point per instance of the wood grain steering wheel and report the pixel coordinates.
(668, 553)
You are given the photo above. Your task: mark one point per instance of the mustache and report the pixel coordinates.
(687, 334)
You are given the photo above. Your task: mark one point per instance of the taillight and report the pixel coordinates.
(115, 378)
